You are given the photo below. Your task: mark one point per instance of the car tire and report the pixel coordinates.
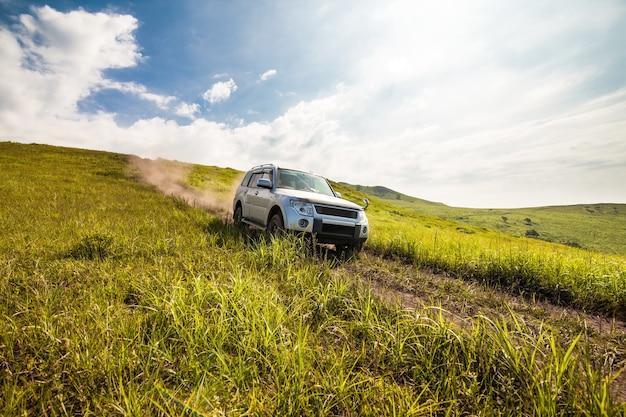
(350, 251)
(276, 225)
(238, 217)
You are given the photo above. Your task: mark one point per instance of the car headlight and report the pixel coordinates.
(302, 207)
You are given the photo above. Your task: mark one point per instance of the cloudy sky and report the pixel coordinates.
(484, 103)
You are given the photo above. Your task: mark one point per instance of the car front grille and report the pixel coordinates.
(327, 232)
(337, 230)
(335, 211)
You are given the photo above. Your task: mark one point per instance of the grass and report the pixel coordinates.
(591, 281)
(219, 180)
(117, 300)
(597, 227)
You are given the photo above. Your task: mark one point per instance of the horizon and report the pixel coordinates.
(346, 183)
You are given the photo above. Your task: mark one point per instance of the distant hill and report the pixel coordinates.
(598, 227)
(389, 194)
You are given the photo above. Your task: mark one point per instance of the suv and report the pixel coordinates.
(274, 199)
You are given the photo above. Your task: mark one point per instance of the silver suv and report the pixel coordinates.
(273, 199)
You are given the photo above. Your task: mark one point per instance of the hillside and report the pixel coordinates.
(123, 292)
(598, 227)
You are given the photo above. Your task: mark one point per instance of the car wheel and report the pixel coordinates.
(275, 225)
(237, 217)
(350, 251)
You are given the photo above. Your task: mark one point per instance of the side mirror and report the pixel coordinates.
(367, 203)
(338, 195)
(264, 183)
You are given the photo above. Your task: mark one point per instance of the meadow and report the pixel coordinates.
(118, 299)
(596, 227)
(586, 280)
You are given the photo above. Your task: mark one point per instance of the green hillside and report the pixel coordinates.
(120, 298)
(598, 227)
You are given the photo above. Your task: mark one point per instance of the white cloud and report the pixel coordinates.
(56, 59)
(187, 110)
(137, 90)
(78, 41)
(267, 75)
(220, 91)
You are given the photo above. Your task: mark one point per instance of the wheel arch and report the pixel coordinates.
(275, 210)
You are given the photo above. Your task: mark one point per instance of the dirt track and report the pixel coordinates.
(401, 283)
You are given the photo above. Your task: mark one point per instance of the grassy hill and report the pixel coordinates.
(118, 299)
(598, 227)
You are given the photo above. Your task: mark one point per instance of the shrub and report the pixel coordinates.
(92, 247)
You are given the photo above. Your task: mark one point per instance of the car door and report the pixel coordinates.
(259, 198)
(248, 184)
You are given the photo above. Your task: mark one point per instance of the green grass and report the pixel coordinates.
(591, 281)
(117, 300)
(219, 180)
(597, 227)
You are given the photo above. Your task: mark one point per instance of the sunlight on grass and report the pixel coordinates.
(117, 300)
(592, 281)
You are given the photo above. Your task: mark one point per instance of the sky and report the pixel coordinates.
(484, 103)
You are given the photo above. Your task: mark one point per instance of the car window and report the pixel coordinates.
(246, 179)
(303, 181)
(254, 179)
(267, 174)
(286, 179)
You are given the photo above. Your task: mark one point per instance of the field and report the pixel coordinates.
(597, 227)
(124, 292)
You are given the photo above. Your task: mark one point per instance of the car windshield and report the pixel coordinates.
(303, 181)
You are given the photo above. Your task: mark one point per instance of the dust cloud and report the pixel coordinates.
(169, 178)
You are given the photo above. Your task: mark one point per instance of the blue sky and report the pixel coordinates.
(475, 104)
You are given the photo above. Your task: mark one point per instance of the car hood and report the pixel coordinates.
(316, 198)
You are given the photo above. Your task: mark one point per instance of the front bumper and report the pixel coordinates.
(338, 232)
(328, 229)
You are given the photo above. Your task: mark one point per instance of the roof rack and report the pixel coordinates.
(263, 166)
(291, 169)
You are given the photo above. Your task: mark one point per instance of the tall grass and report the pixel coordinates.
(592, 281)
(270, 332)
(115, 300)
